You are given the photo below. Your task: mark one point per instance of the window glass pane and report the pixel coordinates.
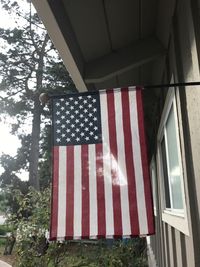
(174, 168)
(166, 182)
(153, 178)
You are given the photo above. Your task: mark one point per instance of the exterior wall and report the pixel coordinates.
(171, 247)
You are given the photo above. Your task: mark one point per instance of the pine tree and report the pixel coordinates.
(29, 66)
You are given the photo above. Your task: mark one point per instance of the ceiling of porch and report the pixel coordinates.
(109, 43)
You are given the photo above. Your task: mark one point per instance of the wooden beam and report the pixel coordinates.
(123, 60)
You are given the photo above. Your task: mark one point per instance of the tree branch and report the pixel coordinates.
(11, 95)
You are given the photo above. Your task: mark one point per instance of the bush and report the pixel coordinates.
(32, 219)
(2, 242)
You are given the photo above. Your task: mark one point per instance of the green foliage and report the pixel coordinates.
(3, 203)
(131, 253)
(30, 223)
(45, 155)
(4, 229)
(2, 242)
(121, 254)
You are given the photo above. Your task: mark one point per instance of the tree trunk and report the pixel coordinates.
(34, 151)
(10, 242)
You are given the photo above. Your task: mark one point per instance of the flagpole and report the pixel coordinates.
(171, 85)
(44, 97)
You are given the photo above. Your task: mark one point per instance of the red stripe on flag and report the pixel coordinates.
(54, 204)
(100, 192)
(145, 163)
(70, 192)
(85, 192)
(114, 164)
(129, 163)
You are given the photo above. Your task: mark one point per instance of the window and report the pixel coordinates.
(171, 164)
(171, 175)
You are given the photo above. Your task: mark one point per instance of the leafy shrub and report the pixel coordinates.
(2, 242)
(30, 223)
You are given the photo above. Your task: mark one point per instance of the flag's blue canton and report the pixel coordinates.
(76, 120)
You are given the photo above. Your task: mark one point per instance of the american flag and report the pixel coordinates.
(101, 184)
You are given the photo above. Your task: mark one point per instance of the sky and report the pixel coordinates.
(8, 142)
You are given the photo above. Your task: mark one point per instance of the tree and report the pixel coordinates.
(29, 65)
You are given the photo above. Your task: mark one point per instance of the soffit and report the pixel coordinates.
(99, 32)
(102, 27)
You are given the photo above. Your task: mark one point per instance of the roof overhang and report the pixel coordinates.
(55, 32)
(109, 43)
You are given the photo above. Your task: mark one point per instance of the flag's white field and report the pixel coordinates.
(103, 189)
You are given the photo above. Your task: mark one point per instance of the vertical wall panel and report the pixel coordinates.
(190, 252)
(171, 247)
(166, 244)
(179, 260)
(183, 250)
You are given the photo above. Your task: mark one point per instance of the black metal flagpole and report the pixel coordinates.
(171, 85)
(44, 98)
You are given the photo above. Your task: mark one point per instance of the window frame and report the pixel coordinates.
(174, 217)
(154, 184)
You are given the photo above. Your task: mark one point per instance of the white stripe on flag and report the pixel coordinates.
(107, 166)
(92, 190)
(142, 214)
(77, 193)
(123, 183)
(62, 193)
